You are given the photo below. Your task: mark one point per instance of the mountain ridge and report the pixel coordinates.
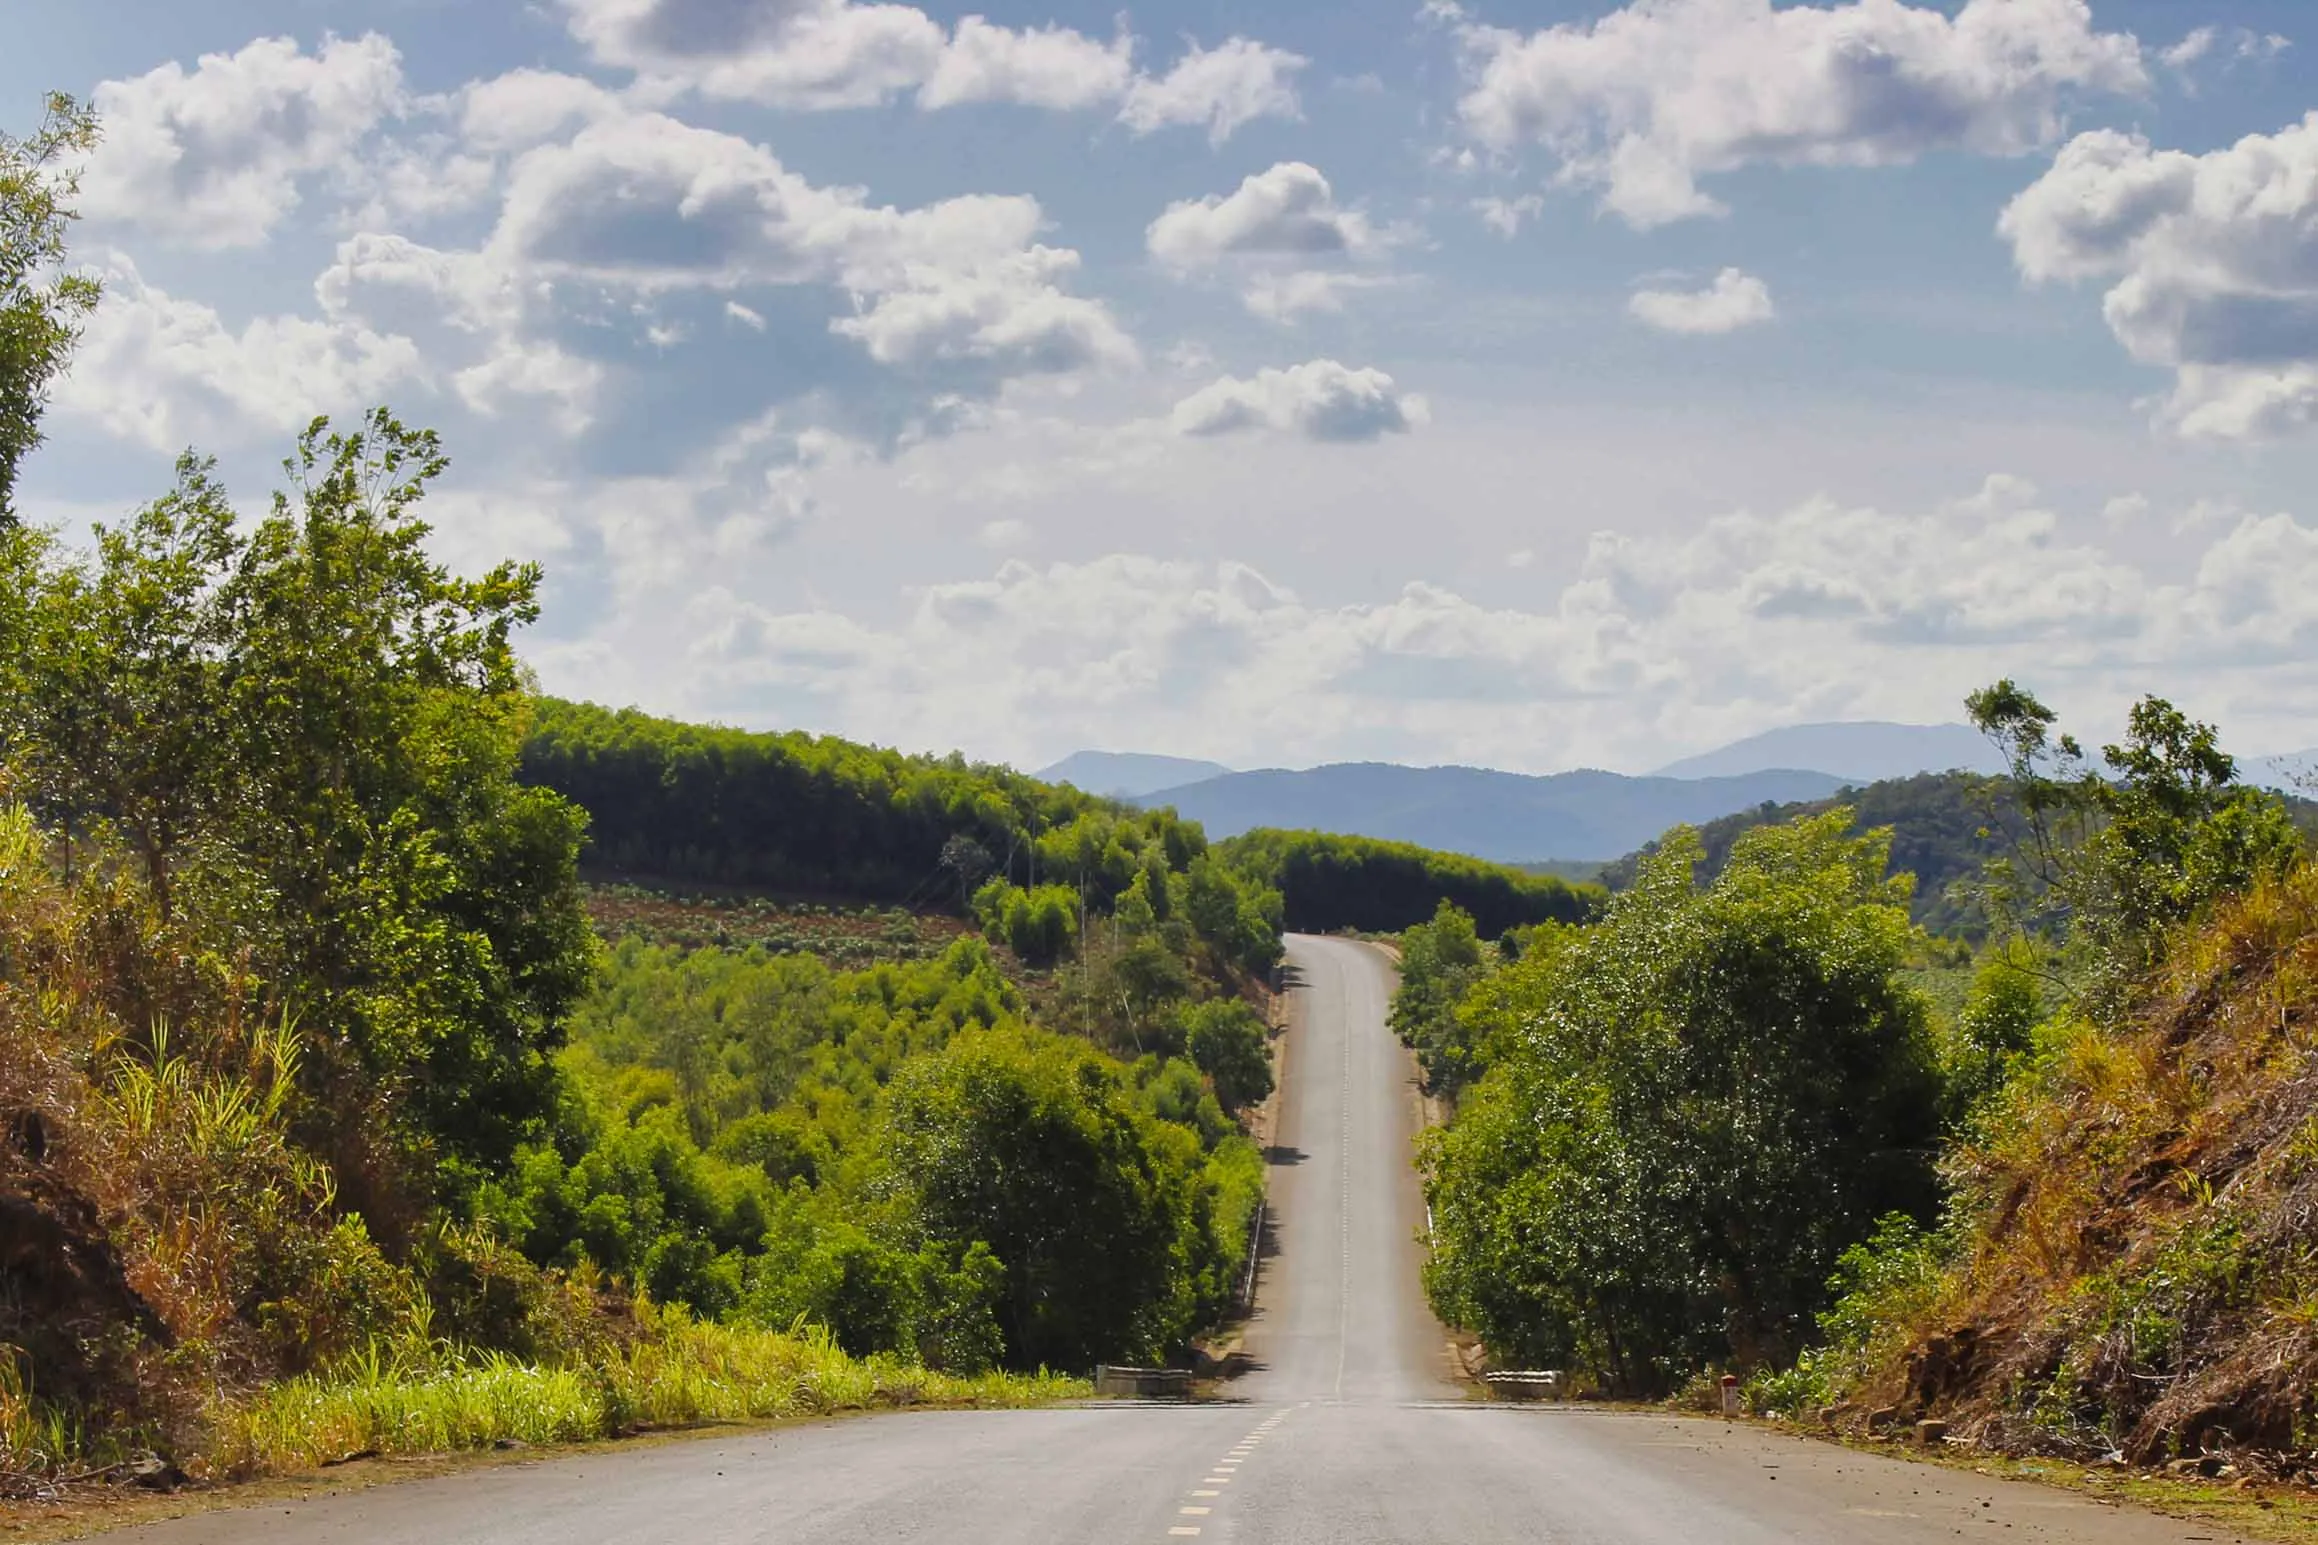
(1858, 751)
(1128, 774)
(1500, 816)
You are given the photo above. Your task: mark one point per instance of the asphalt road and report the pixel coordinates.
(1349, 1431)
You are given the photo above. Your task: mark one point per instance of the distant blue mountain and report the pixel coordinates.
(2296, 772)
(1128, 774)
(1863, 752)
(1507, 817)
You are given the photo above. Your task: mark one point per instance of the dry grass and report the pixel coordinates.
(2140, 1262)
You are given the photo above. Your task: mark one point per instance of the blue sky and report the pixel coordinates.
(1534, 385)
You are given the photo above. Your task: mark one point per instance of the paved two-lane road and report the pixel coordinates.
(1349, 1432)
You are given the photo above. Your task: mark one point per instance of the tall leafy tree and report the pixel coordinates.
(420, 904)
(1439, 963)
(1698, 1105)
(2121, 852)
(305, 731)
(41, 305)
(119, 678)
(1029, 1146)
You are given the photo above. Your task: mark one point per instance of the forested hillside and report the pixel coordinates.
(1722, 1129)
(1945, 827)
(813, 814)
(1327, 882)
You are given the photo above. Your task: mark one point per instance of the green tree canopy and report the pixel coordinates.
(1697, 1106)
(306, 732)
(41, 305)
(1030, 1146)
(1440, 961)
(2121, 853)
(1328, 882)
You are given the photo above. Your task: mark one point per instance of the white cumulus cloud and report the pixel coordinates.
(2215, 263)
(170, 372)
(1225, 88)
(216, 156)
(1288, 211)
(1631, 644)
(831, 54)
(1736, 299)
(1646, 100)
(1319, 400)
(1052, 67)
(1281, 234)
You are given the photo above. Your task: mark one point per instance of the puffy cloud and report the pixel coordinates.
(783, 53)
(2215, 259)
(1646, 100)
(1010, 311)
(516, 372)
(1637, 646)
(1735, 300)
(825, 54)
(1288, 211)
(1050, 67)
(170, 372)
(523, 108)
(1319, 400)
(649, 204)
(646, 201)
(215, 157)
(1226, 88)
(1278, 233)
(626, 242)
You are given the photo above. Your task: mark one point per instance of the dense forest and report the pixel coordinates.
(1328, 883)
(813, 814)
(1723, 1128)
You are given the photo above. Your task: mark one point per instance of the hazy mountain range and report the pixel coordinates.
(1856, 753)
(1128, 774)
(1586, 815)
(1498, 815)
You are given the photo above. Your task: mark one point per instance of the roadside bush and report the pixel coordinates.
(1230, 1044)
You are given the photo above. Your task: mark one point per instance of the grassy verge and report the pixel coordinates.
(688, 1375)
(395, 1408)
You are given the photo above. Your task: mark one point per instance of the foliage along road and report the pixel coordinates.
(1350, 1430)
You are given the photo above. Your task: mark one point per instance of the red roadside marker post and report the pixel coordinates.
(1730, 1396)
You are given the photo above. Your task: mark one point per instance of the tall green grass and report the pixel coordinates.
(685, 1375)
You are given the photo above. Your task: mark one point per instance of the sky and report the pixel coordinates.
(1534, 385)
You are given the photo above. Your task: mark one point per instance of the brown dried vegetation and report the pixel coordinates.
(161, 1238)
(2139, 1256)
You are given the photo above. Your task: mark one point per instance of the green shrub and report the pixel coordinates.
(1230, 1044)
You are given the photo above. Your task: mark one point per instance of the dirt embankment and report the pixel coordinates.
(2139, 1274)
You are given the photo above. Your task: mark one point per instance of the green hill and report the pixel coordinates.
(1328, 881)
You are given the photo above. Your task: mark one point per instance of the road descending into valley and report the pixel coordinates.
(1349, 1431)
